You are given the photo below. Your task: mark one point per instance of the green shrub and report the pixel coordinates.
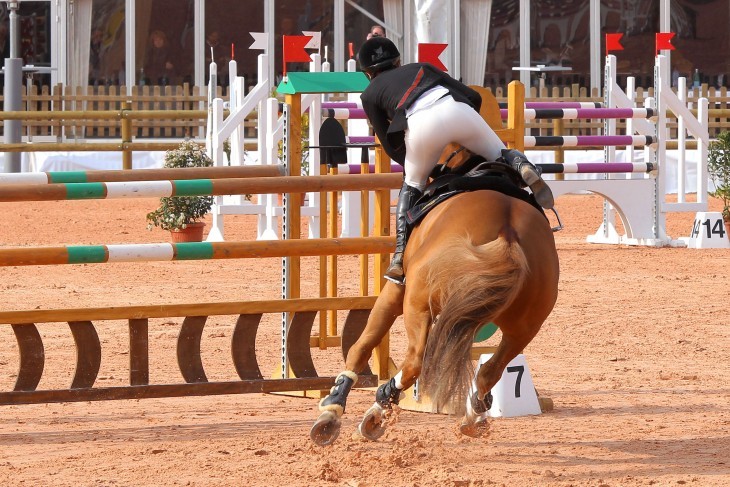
(718, 166)
(176, 212)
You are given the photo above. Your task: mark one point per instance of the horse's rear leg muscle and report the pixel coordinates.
(479, 401)
(508, 348)
(474, 423)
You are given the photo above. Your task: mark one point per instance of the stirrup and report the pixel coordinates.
(559, 226)
(395, 273)
(401, 281)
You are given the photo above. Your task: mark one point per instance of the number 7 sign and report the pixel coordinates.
(514, 395)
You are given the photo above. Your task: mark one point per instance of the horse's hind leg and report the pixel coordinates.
(416, 317)
(480, 400)
(387, 308)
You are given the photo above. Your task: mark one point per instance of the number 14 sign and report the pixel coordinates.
(708, 232)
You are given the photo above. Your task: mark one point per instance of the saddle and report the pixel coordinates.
(473, 175)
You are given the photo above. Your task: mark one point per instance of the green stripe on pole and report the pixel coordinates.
(84, 191)
(193, 251)
(86, 254)
(193, 187)
(67, 177)
(485, 332)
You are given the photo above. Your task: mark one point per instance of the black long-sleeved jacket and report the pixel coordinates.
(388, 96)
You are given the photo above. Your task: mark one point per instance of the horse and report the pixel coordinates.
(477, 257)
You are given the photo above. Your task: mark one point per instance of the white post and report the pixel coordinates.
(315, 156)
(212, 83)
(629, 149)
(661, 150)
(216, 153)
(339, 19)
(681, 141)
(351, 199)
(263, 124)
(607, 232)
(702, 147)
(273, 122)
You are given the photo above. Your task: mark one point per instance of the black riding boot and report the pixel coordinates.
(406, 199)
(531, 175)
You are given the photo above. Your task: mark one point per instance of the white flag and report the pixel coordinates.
(260, 40)
(315, 42)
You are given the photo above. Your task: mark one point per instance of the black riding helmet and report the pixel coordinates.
(378, 54)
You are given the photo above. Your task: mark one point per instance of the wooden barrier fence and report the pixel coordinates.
(298, 372)
(191, 100)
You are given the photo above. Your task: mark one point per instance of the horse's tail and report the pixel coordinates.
(471, 284)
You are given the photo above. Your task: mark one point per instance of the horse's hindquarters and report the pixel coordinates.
(480, 257)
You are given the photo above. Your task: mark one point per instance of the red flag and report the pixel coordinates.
(613, 43)
(664, 41)
(429, 53)
(294, 50)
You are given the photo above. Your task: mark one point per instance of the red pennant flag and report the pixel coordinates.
(294, 50)
(613, 43)
(429, 53)
(664, 41)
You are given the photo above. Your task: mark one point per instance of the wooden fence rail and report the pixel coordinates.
(175, 99)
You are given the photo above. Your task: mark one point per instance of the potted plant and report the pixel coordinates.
(181, 215)
(718, 166)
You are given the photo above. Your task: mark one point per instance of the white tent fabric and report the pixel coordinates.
(393, 13)
(475, 15)
(432, 21)
(432, 24)
(80, 32)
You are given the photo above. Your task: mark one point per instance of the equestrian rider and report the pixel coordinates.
(416, 110)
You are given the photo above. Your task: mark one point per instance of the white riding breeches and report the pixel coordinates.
(432, 128)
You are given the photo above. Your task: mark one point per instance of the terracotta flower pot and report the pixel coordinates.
(193, 232)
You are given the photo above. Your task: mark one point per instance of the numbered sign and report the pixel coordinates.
(708, 232)
(514, 394)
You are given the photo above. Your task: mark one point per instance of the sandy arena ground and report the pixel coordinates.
(634, 356)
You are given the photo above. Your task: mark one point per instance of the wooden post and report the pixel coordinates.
(139, 367)
(558, 129)
(332, 259)
(364, 230)
(516, 114)
(381, 354)
(126, 135)
(323, 263)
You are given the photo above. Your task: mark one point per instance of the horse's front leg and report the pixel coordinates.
(417, 318)
(388, 307)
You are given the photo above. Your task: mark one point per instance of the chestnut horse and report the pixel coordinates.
(478, 257)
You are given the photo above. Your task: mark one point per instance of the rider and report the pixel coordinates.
(416, 110)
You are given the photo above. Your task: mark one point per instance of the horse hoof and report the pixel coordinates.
(372, 426)
(326, 429)
(475, 429)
